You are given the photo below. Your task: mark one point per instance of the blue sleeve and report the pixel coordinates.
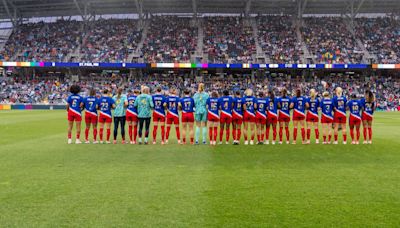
(69, 100)
(136, 101)
(112, 101)
(84, 100)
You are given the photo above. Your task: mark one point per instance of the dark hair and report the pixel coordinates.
(186, 92)
(284, 92)
(298, 92)
(136, 91)
(75, 89)
(371, 97)
(353, 96)
(261, 94)
(237, 92)
(92, 92)
(158, 89)
(214, 94)
(226, 93)
(105, 91)
(271, 95)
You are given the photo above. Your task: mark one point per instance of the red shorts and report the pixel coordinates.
(366, 117)
(353, 120)
(298, 116)
(157, 117)
(74, 115)
(339, 118)
(212, 117)
(248, 117)
(283, 117)
(312, 117)
(105, 118)
(90, 117)
(272, 118)
(187, 117)
(326, 120)
(261, 119)
(236, 118)
(225, 118)
(172, 119)
(131, 117)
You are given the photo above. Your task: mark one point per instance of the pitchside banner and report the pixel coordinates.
(198, 65)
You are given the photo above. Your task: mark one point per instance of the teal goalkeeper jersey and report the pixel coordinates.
(120, 105)
(144, 104)
(200, 102)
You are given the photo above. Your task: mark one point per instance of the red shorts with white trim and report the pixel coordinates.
(104, 118)
(354, 120)
(90, 118)
(73, 116)
(311, 117)
(366, 117)
(326, 120)
(212, 117)
(283, 117)
(236, 118)
(130, 117)
(260, 119)
(172, 119)
(187, 117)
(339, 118)
(157, 117)
(298, 116)
(272, 118)
(247, 117)
(225, 118)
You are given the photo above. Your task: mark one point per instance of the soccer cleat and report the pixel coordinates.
(134, 142)
(294, 143)
(179, 141)
(69, 141)
(357, 142)
(108, 142)
(123, 142)
(280, 142)
(87, 142)
(316, 141)
(251, 142)
(287, 142)
(204, 143)
(226, 143)
(273, 142)
(324, 143)
(95, 142)
(267, 142)
(335, 143)
(353, 142)
(101, 142)
(344, 142)
(115, 142)
(78, 141)
(154, 143)
(162, 142)
(365, 142)
(370, 142)
(246, 142)
(166, 141)
(220, 143)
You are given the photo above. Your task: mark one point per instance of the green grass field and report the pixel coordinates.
(46, 183)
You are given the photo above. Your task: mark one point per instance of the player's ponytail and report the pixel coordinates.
(271, 95)
(370, 96)
(339, 91)
(298, 92)
(119, 93)
(313, 93)
(201, 87)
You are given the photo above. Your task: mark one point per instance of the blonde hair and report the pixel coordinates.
(339, 91)
(201, 87)
(145, 90)
(248, 92)
(325, 94)
(313, 93)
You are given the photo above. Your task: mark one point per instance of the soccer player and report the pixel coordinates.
(339, 118)
(74, 109)
(272, 117)
(261, 117)
(312, 117)
(144, 104)
(106, 103)
(213, 117)
(200, 115)
(326, 117)
(299, 104)
(121, 102)
(159, 101)
(284, 115)
(132, 116)
(187, 107)
(91, 117)
(237, 118)
(368, 103)
(226, 105)
(355, 108)
(172, 104)
(249, 115)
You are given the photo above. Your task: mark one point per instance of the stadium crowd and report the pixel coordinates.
(49, 91)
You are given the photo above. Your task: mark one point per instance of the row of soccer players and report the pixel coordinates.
(257, 114)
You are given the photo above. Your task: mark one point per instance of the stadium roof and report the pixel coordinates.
(13, 9)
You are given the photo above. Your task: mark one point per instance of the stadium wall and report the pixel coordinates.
(31, 107)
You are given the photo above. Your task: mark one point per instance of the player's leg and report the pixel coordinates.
(245, 132)
(169, 123)
(191, 132)
(130, 131)
(70, 126)
(344, 133)
(216, 123)
(197, 131)
(303, 132)
(78, 132)
(308, 126)
(116, 125)
(324, 132)
(281, 125)
(227, 131)
(351, 125)
(210, 132)
(234, 123)
(123, 120)
(262, 131)
(87, 129)
(101, 128)
(94, 126)
(177, 130)
(155, 128)
(365, 131)
(147, 130)
(221, 130)
(140, 131)
(267, 130)
(316, 130)
(108, 129)
(252, 131)
(358, 132)
(336, 132)
(295, 125)
(184, 130)
(287, 132)
(370, 131)
(274, 132)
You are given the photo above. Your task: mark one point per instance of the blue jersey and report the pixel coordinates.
(313, 105)
(213, 105)
(131, 107)
(327, 107)
(187, 104)
(226, 105)
(249, 101)
(172, 104)
(159, 101)
(299, 104)
(238, 106)
(272, 106)
(262, 106)
(355, 108)
(369, 107)
(90, 104)
(284, 103)
(75, 102)
(340, 104)
(105, 105)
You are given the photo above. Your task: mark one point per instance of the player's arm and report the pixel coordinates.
(291, 106)
(151, 103)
